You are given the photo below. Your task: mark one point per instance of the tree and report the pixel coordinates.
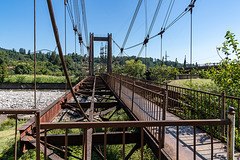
(69, 62)
(3, 71)
(228, 75)
(134, 68)
(162, 73)
(185, 62)
(117, 68)
(176, 63)
(24, 68)
(4, 57)
(22, 51)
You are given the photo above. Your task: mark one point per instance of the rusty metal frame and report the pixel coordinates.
(145, 127)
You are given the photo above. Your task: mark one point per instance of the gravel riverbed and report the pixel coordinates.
(24, 99)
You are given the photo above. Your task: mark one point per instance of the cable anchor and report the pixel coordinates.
(146, 40)
(121, 49)
(80, 38)
(75, 28)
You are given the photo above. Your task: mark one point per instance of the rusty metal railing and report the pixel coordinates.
(183, 102)
(16, 112)
(189, 103)
(137, 124)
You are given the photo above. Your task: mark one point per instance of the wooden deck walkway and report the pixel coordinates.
(186, 150)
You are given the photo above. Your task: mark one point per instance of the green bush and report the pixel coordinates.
(24, 68)
(162, 73)
(3, 72)
(20, 79)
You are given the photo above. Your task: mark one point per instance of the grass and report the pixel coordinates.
(185, 82)
(39, 79)
(206, 85)
(7, 132)
(114, 152)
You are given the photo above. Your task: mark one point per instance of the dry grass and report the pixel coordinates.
(185, 82)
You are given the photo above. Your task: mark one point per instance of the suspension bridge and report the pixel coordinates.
(174, 122)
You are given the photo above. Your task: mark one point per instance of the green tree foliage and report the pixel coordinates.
(117, 68)
(228, 75)
(69, 62)
(185, 62)
(162, 73)
(24, 68)
(134, 68)
(3, 71)
(176, 63)
(22, 51)
(4, 57)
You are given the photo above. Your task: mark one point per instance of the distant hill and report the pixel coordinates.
(2, 49)
(25, 56)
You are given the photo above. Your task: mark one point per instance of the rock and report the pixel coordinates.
(24, 99)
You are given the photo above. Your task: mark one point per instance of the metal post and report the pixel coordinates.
(35, 59)
(133, 94)
(165, 103)
(231, 134)
(56, 34)
(120, 87)
(91, 56)
(16, 118)
(223, 112)
(109, 56)
(114, 79)
(37, 125)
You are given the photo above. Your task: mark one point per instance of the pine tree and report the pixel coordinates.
(185, 62)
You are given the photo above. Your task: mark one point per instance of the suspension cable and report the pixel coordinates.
(65, 20)
(191, 37)
(35, 59)
(84, 17)
(56, 34)
(131, 24)
(70, 12)
(151, 27)
(145, 4)
(168, 13)
(161, 50)
(162, 31)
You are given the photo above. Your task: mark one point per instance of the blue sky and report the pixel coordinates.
(211, 20)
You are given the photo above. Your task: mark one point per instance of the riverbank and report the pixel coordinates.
(24, 99)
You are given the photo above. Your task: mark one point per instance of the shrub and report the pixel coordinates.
(3, 72)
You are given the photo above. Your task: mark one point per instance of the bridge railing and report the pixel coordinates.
(15, 113)
(140, 127)
(186, 103)
(195, 104)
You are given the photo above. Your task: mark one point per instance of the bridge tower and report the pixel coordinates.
(91, 52)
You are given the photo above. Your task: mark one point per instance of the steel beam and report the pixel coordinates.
(113, 138)
(90, 130)
(96, 92)
(100, 38)
(91, 56)
(88, 104)
(109, 56)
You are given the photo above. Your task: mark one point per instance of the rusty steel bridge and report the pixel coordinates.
(170, 126)
(174, 122)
